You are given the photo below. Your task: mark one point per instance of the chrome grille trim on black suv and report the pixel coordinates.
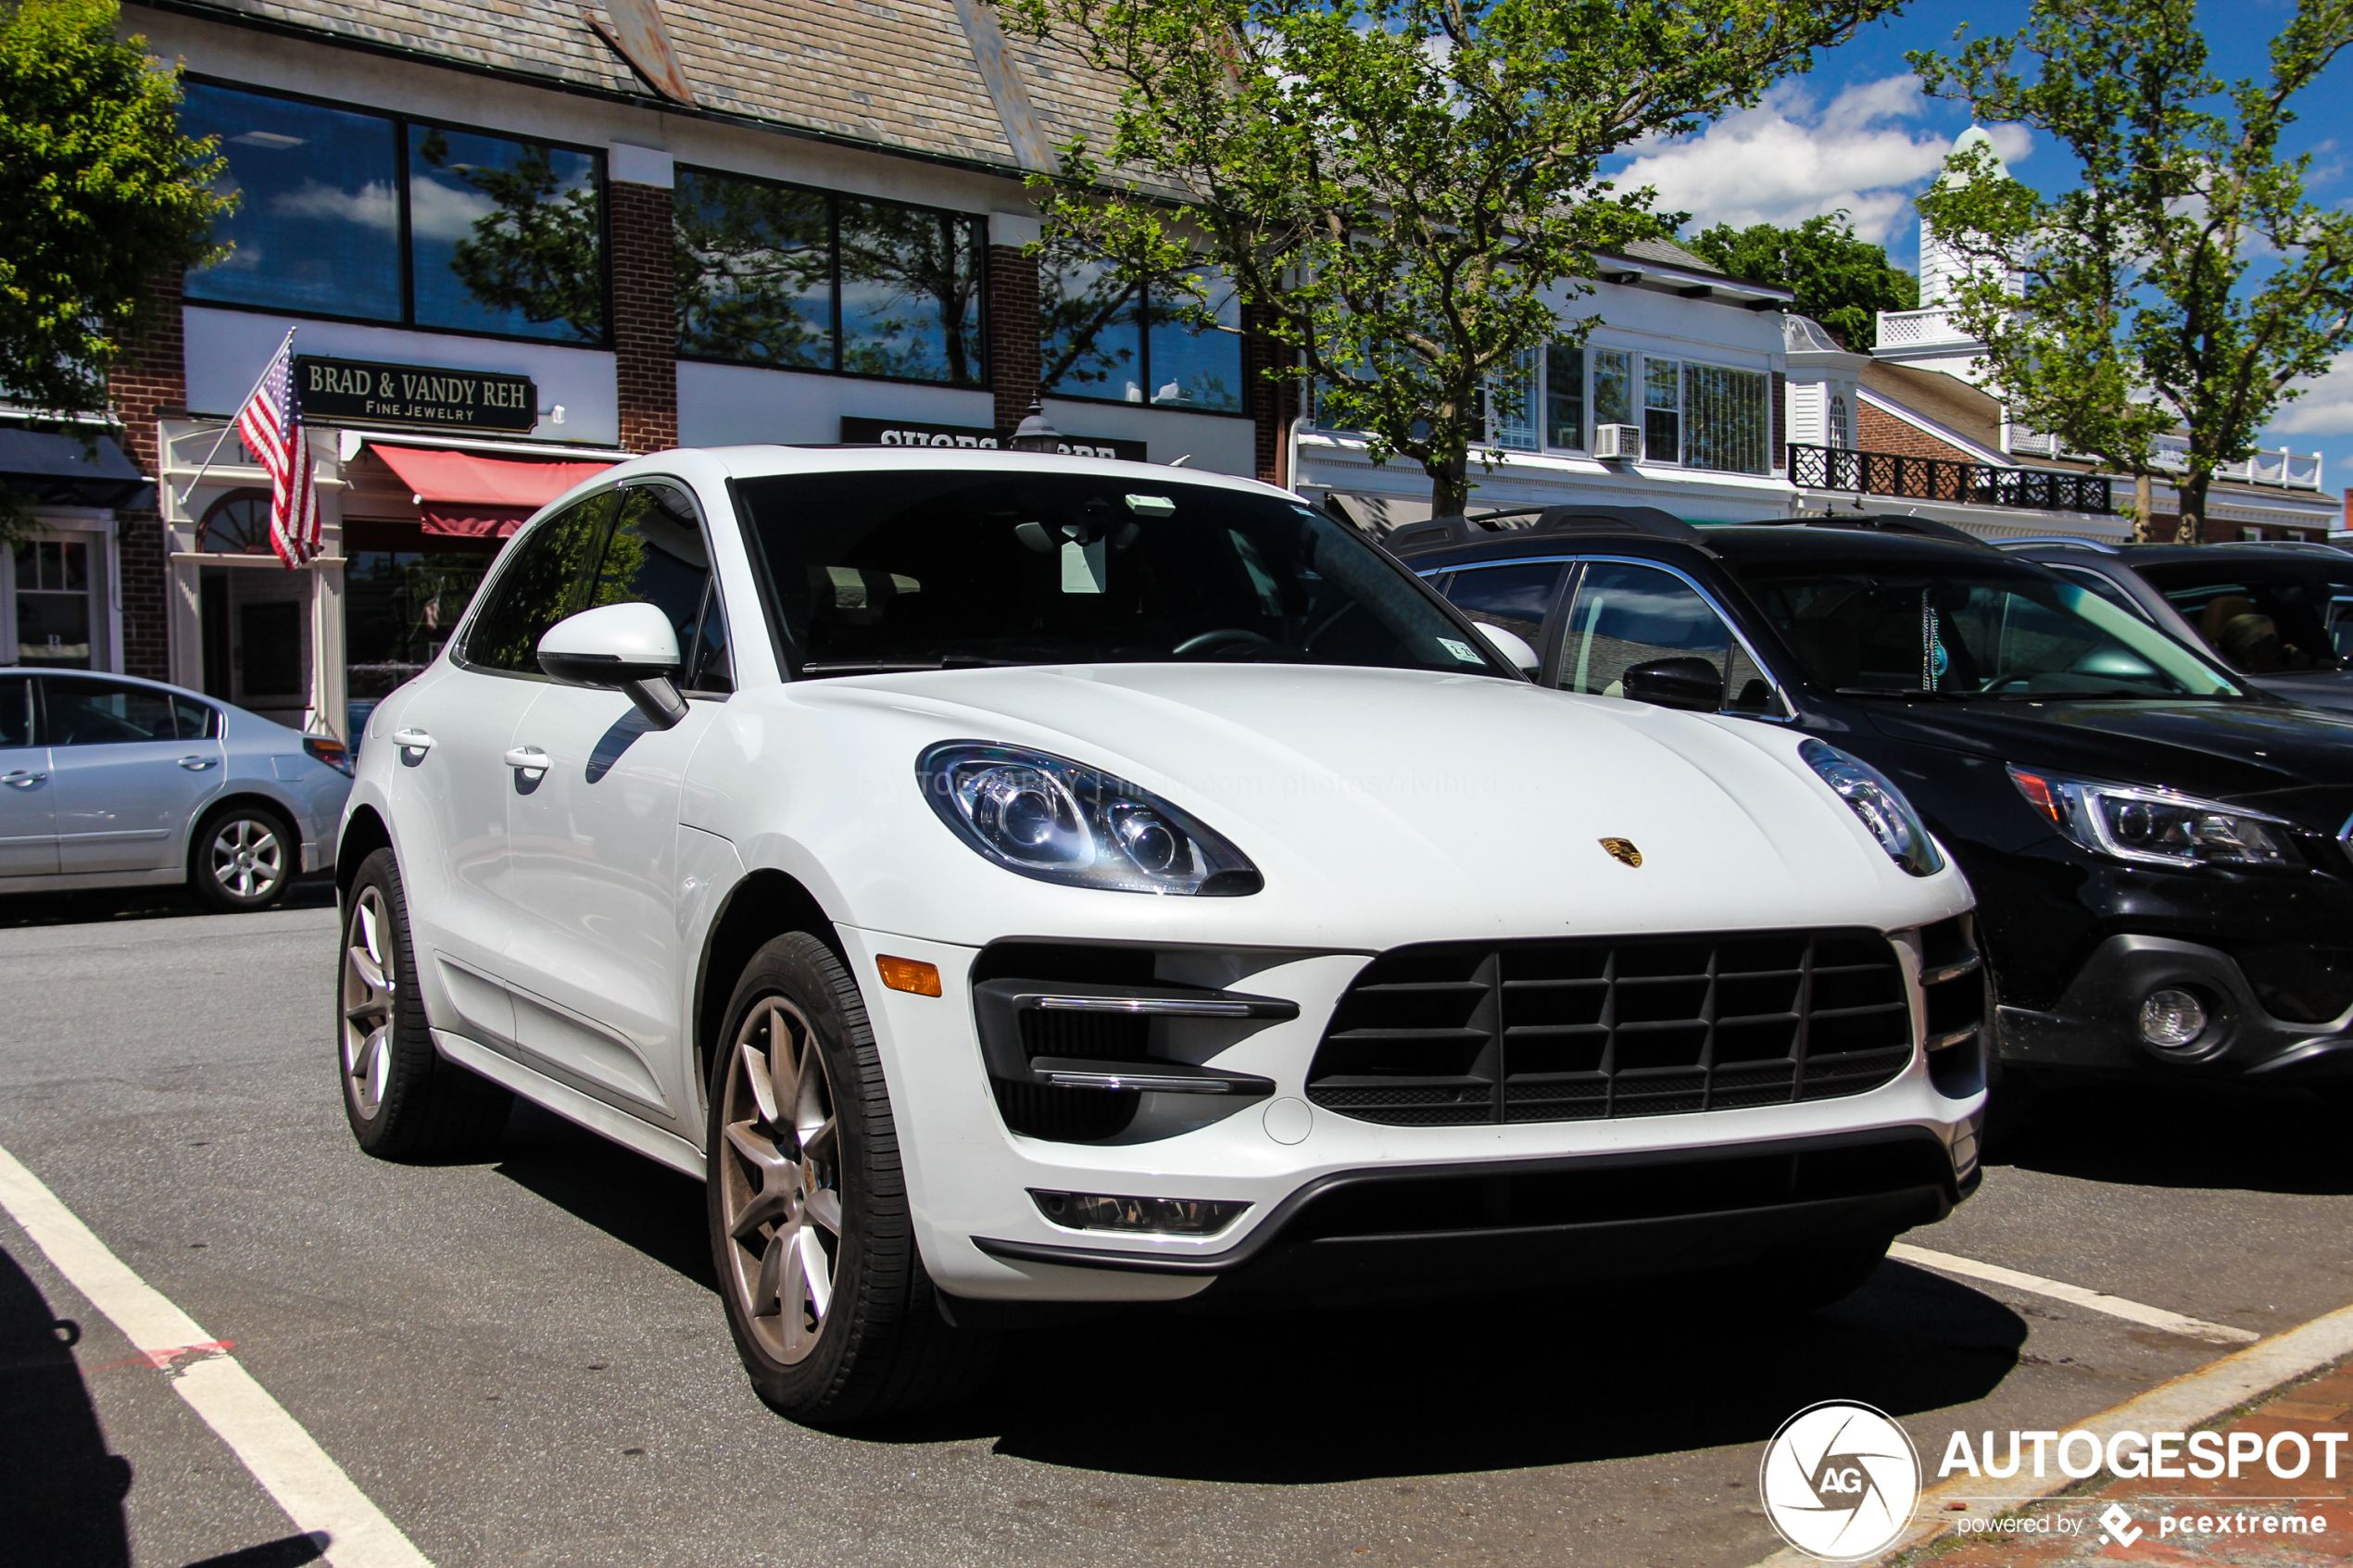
(1588, 1028)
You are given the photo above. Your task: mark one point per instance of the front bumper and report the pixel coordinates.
(1428, 1230)
(1583, 1199)
(2094, 1024)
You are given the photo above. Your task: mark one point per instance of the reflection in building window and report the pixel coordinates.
(910, 292)
(52, 604)
(1564, 395)
(504, 236)
(1662, 410)
(398, 608)
(1099, 340)
(771, 274)
(317, 222)
(755, 272)
(1724, 418)
(1613, 387)
(1514, 420)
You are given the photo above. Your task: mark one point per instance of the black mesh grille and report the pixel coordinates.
(1585, 1029)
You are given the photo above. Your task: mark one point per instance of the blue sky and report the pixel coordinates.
(1858, 135)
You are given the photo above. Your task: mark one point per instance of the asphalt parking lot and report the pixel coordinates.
(522, 1361)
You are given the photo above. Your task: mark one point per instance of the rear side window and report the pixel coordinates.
(1516, 598)
(546, 576)
(111, 713)
(16, 711)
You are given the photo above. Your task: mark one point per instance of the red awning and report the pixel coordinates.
(468, 494)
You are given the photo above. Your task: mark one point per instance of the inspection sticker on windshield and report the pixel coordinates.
(1461, 650)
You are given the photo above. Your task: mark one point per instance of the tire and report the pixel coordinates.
(832, 1313)
(241, 858)
(403, 1098)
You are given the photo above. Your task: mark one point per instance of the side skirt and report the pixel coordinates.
(571, 1105)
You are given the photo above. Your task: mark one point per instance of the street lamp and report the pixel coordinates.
(1036, 433)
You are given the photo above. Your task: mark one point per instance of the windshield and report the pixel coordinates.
(1977, 634)
(927, 569)
(2264, 618)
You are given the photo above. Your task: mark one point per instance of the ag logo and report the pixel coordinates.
(1623, 851)
(1840, 1481)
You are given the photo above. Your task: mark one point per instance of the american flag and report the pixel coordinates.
(271, 426)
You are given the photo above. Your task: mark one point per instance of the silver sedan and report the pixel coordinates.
(107, 781)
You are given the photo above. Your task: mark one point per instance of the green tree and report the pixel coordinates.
(2185, 283)
(1842, 281)
(103, 194)
(1399, 188)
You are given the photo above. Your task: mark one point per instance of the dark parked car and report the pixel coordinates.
(2155, 846)
(2279, 614)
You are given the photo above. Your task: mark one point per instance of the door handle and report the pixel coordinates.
(529, 758)
(20, 779)
(413, 740)
(196, 764)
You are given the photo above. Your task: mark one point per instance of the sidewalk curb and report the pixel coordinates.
(2175, 1406)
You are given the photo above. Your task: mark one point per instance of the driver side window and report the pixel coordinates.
(1623, 615)
(543, 577)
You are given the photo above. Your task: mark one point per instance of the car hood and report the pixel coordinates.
(1388, 805)
(2298, 761)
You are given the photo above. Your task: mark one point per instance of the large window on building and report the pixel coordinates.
(1725, 419)
(1135, 345)
(379, 218)
(771, 274)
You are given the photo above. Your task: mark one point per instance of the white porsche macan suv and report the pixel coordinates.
(1017, 878)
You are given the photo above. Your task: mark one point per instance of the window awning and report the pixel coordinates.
(53, 468)
(465, 493)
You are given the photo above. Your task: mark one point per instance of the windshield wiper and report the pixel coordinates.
(1905, 692)
(895, 666)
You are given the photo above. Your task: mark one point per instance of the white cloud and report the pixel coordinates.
(446, 212)
(1792, 157)
(371, 205)
(2326, 408)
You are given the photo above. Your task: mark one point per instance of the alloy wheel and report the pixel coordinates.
(369, 986)
(780, 1193)
(248, 860)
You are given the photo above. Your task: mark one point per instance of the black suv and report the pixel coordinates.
(2280, 614)
(2155, 848)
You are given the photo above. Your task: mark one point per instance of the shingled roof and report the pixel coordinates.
(896, 74)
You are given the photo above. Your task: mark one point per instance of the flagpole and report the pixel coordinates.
(223, 436)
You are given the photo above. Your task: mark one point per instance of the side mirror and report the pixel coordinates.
(1689, 683)
(629, 648)
(1511, 645)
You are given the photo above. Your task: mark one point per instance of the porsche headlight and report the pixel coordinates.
(2158, 827)
(1059, 820)
(1882, 806)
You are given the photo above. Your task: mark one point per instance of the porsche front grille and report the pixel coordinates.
(1448, 1034)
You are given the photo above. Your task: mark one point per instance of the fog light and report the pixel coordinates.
(2171, 1018)
(1165, 1216)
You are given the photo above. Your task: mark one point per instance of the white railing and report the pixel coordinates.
(1909, 329)
(2291, 470)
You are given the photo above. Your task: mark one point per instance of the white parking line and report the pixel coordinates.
(2099, 1301)
(291, 1466)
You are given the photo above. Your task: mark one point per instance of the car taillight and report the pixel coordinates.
(329, 751)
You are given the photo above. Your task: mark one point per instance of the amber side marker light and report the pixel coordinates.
(910, 975)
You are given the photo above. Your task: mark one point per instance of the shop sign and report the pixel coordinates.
(333, 391)
(911, 433)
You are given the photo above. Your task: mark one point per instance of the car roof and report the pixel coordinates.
(2250, 552)
(762, 462)
(1900, 541)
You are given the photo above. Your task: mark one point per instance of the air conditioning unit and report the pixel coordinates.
(1623, 443)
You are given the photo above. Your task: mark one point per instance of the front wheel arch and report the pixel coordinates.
(765, 905)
